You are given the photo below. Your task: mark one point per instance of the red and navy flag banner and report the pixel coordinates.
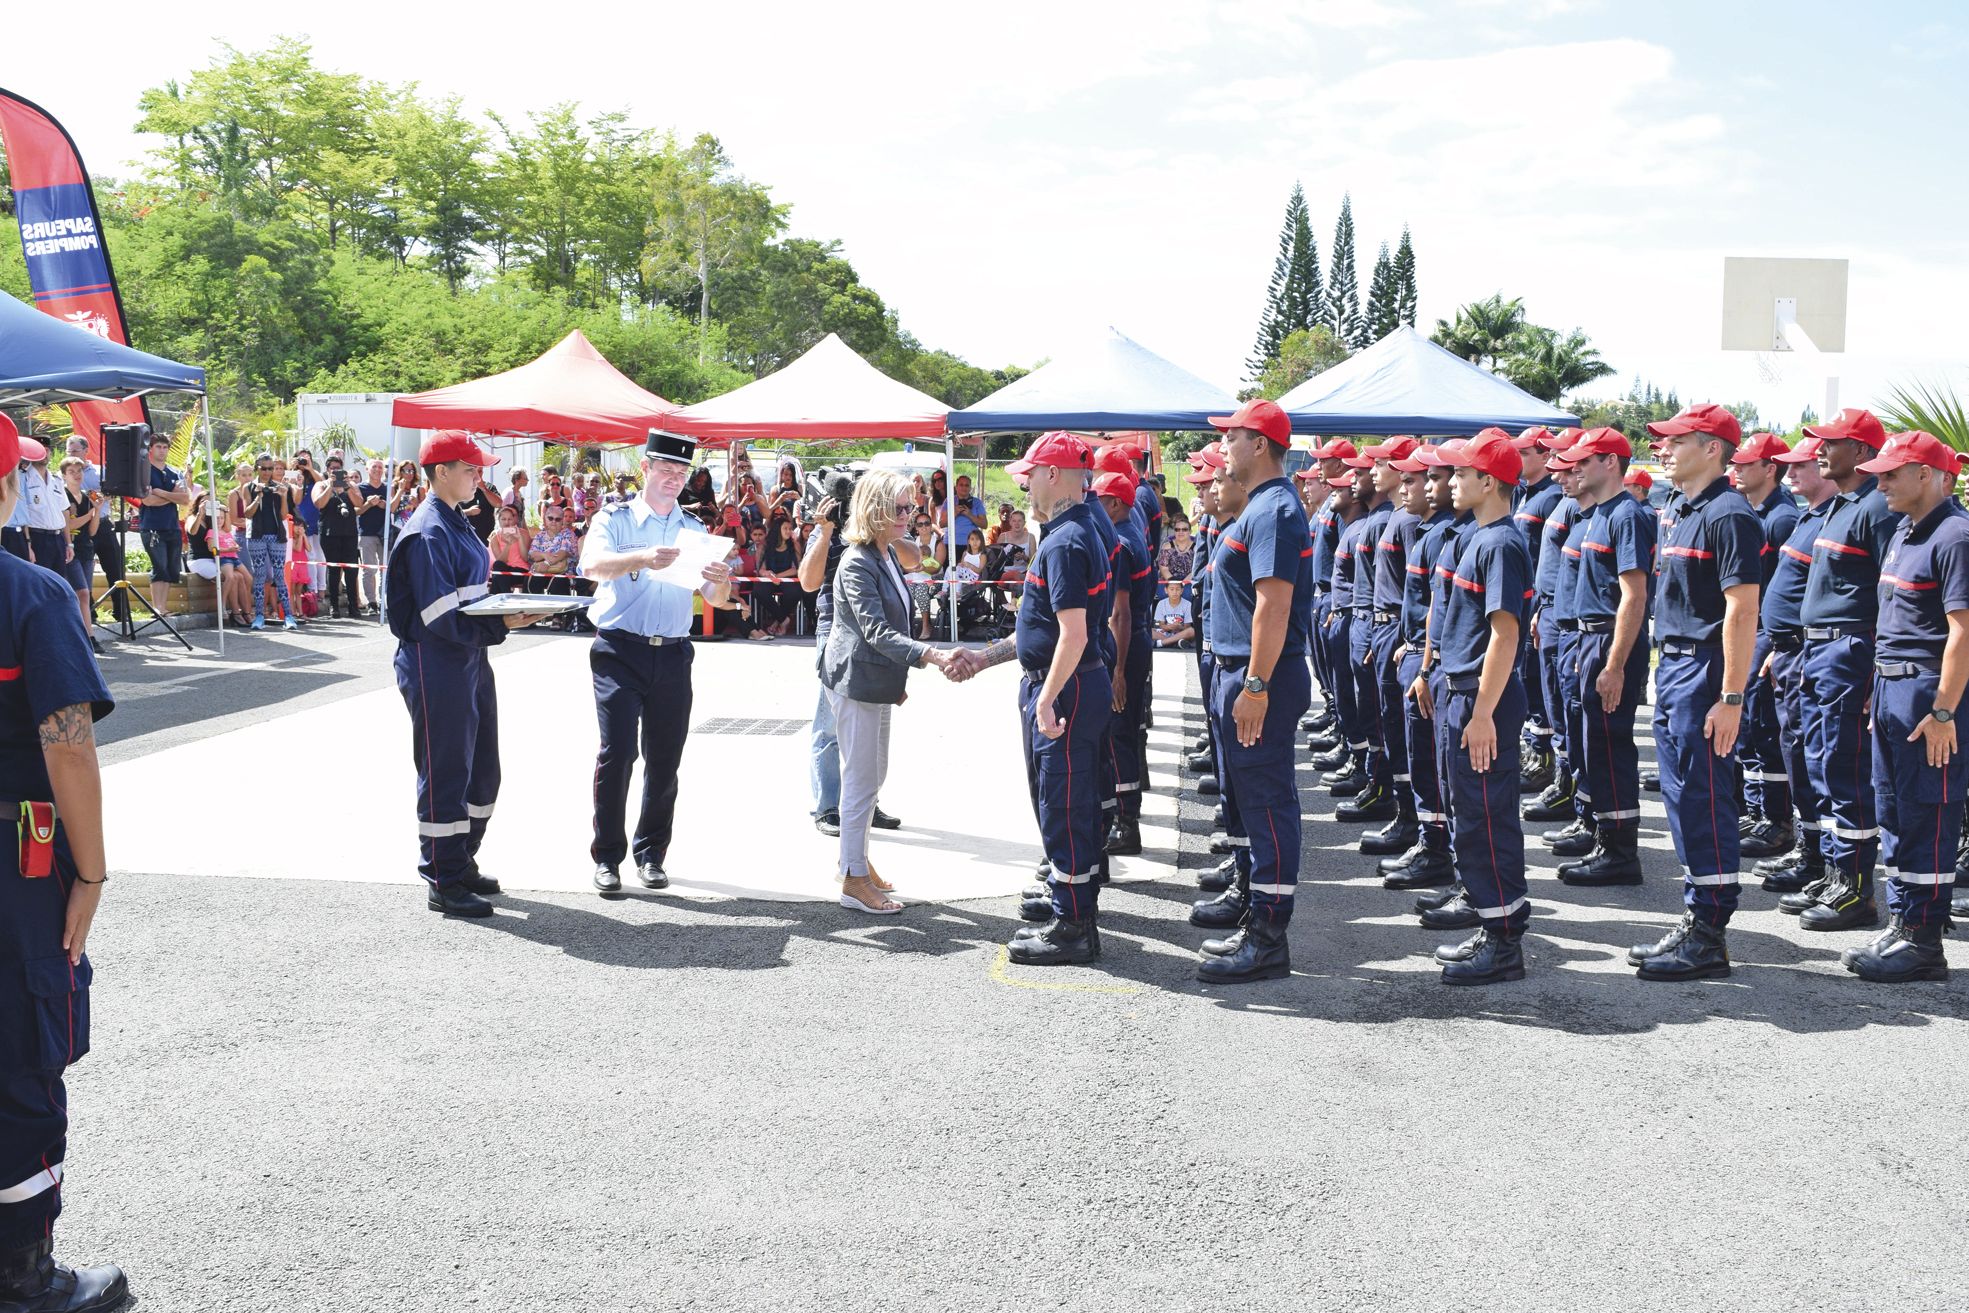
(62, 236)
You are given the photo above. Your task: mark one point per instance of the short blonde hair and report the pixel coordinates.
(872, 509)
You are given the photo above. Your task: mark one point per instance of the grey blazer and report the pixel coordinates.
(869, 650)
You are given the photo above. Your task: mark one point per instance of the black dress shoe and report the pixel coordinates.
(1640, 953)
(31, 1281)
(608, 880)
(482, 885)
(1207, 786)
(1219, 877)
(1125, 839)
(1428, 868)
(1441, 898)
(457, 900)
(651, 876)
(1767, 839)
(1843, 907)
(829, 822)
(1203, 763)
(1346, 785)
(1903, 954)
(1374, 803)
(1397, 836)
(1262, 955)
(1455, 914)
(1063, 942)
(1222, 912)
(1700, 954)
(1496, 958)
(881, 820)
(1616, 861)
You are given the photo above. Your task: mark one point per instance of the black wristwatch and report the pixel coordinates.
(1254, 686)
(1731, 699)
(1941, 715)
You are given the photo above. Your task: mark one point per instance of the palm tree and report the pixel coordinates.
(1483, 330)
(1548, 365)
(1932, 408)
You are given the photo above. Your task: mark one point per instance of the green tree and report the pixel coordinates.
(1383, 315)
(1483, 331)
(798, 292)
(1343, 292)
(706, 221)
(1271, 322)
(1404, 275)
(1304, 353)
(1549, 364)
(1305, 296)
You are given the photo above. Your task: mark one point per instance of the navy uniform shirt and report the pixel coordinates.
(1326, 529)
(45, 665)
(1926, 576)
(1103, 527)
(1068, 572)
(1375, 521)
(1781, 606)
(1354, 545)
(1531, 517)
(1710, 542)
(1846, 555)
(1779, 514)
(1442, 573)
(1493, 573)
(1617, 536)
(1206, 543)
(1417, 574)
(1269, 541)
(1398, 534)
(437, 564)
(1148, 506)
(1134, 573)
(1550, 557)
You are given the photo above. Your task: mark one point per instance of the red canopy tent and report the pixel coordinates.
(570, 394)
(829, 393)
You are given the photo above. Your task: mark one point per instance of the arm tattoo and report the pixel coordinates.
(70, 726)
(997, 653)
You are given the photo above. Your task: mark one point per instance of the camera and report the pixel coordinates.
(338, 479)
(834, 483)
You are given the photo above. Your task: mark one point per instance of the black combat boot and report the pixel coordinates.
(1440, 898)
(1666, 944)
(1261, 955)
(1808, 895)
(457, 900)
(1203, 763)
(1219, 818)
(1555, 804)
(1222, 912)
(1036, 902)
(1222, 843)
(1498, 956)
(1617, 860)
(1700, 954)
(1576, 840)
(1125, 839)
(1850, 957)
(1208, 787)
(1336, 758)
(31, 1281)
(1903, 954)
(1768, 838)
(1959, 905)
(1535, 774)
(1323, 743)
(1219, 877)
(1454, 913)
(1226, 946)
(1374, 803)
(1201, 743)
(1463, 950)
(1063, 941)
(1344, 784)
(1423, 867)
(1651, 781)
(1397, 836)
(1845, 905)
(1806, 867)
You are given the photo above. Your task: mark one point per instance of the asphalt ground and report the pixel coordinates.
(315, 1095)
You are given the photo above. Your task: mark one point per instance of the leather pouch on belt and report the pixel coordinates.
(37, 832)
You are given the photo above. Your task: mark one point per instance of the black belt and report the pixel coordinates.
(1906, 669)
(1674, 647)
(1571, 626)
(1462, 683)
(1788, 641)
(1386, 617)
(1367, 610)
(1081, 669)
(1322, 588)
(1591, 626)
(1826, 633)
(630, 636)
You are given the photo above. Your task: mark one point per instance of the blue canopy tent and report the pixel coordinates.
(1107, 385)
(1407, 384)
(45, 362)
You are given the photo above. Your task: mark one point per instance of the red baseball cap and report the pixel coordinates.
(1760, 446)
(1116, 483)
(1561, 440)
(1200, 474)
(1399, 447)
(1807, 449)
(1413, 462)
(14, 448)
(1707, 418)
(1536, 436)
(1639, 478)
(1115, 458)
(1264, 416)
(1060, 449)
(1338, 449)
(1859, 425)
(1915, 448)
(454, 444)
(1340, 481)
(1490, 452)
(1601, 442)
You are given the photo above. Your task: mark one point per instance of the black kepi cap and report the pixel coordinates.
(662, 445)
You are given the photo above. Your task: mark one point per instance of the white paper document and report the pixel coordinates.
(694, 552)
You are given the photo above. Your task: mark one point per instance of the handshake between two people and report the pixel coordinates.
(957, 663)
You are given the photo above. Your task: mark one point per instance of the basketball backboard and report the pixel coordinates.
(1762, 296)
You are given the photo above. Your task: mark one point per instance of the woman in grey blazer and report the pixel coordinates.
(865, 669)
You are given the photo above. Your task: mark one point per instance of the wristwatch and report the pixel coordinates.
(1254, 686)
(1732, 699)
(1941, 715)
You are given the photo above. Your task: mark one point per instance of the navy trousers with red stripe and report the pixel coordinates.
(1263, 778)
(1607, 749)
(1316, 651)
(44, 1026)
(1920, 805)
(1367, 696)
(1425, 785)
(1698, 788)
(1837, 680)
(1336, 638)
(1066, 778)
(454, 737)
(1487, 838)
(1392, 731)
(1766, 786)
(1788, 693)
(1572, 711)
(1128, 733)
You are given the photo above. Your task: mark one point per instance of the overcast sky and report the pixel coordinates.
(1012, 174)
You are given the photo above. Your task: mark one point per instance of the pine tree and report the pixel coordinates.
(1343, 293)
(1272, 326)
(1305, 299)
(1382, 317)
(1404, 273)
